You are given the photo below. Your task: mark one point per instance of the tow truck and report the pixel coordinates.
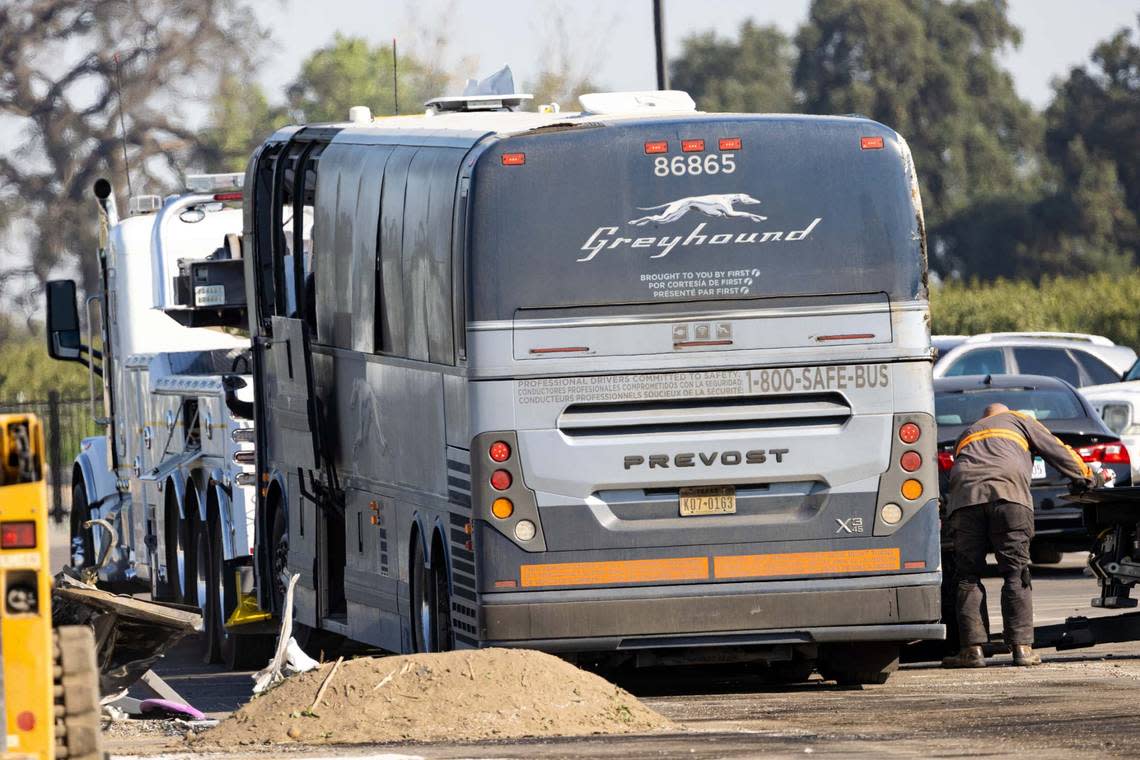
(172, 474)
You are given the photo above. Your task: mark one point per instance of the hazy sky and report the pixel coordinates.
(618, 34)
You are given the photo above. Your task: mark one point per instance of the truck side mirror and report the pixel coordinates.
(63, 321)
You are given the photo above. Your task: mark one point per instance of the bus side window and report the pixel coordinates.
(348, 194)
(391, 334)
(429, 214)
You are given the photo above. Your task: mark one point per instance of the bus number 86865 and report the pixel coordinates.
(678, 166)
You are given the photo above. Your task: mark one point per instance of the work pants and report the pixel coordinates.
(1006, 529)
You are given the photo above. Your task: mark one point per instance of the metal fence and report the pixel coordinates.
(66, 422)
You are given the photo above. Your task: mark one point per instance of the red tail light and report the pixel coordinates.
(500, 480)
(1109, 453)
(227, 196)
(692, 146)
(499, 451)
(514, 159)
(909, 433)
(729, 143)
(657, 146)
(945, 461)
(18, 535)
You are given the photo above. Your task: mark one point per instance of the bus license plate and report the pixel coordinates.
(1038, 468)
(708, 500)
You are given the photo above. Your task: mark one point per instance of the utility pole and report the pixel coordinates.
(659, 42)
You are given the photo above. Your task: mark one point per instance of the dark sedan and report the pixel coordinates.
(959, 401)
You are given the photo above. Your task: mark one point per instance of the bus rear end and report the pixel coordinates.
(701, 388)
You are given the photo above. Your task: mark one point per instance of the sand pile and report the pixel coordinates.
(454, 696)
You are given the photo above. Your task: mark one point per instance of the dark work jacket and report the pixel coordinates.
(993, 461)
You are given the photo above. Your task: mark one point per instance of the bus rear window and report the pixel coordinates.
(589, 220)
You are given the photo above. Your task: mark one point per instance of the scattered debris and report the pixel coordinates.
(453, 696)
(289, 658)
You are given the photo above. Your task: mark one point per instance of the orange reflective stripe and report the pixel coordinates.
(806, 563)
(617, 571)
(982, 435)
(1085, 469)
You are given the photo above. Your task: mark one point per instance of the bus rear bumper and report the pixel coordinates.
(900, 608)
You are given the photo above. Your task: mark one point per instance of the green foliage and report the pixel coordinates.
(240, 119)
(352, 72)
(929, 70)
(1101, 304)
(27, 373)
(752, 74)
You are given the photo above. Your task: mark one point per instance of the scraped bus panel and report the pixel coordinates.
(637, 384)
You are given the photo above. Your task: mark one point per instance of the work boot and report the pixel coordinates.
(967, 657)
(1023, 655)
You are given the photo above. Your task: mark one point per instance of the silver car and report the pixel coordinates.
(1079, 359)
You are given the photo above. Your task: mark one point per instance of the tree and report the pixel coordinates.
(353, 72)
(240, 119)
(568, 67)
(1093, 137)
(752, 74)
(928, 69)
(60, 64)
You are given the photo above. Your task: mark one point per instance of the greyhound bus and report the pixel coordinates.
(636, 384)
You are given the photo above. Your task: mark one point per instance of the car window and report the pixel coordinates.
(1134, 373)
(1098, 371)
(966, 407)
(982, 361)
(1051, 362)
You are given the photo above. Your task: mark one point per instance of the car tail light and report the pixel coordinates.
(499, 451)
(500, 480)
(18, 535)
(1109, 453)
(945, 460)
(910, 461)
(909, 433)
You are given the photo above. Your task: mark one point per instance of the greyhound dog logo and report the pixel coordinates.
(709, 205)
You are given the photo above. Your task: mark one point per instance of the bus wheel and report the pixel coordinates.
(204, 590)
(861, 663)
(280, 559)
(174, 549)
(796, 670)
(76, 691)
(422, 607)
(82, 539)
(441, 606)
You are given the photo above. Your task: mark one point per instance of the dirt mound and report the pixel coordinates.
(453, 696)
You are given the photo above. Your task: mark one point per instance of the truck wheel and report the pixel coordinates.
(238, 652)
(204, 587)
(82, 539)
(174, 550)
(857, 664)
(76, 691)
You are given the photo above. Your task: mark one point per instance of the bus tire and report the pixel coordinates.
(859, 664)
(80, 513)
(791, 671)
(441, 604)
(77, 722)
(420, 599)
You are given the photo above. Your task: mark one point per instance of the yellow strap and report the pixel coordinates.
(982, 435)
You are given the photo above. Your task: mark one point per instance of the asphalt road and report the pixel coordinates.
(1082, 701)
